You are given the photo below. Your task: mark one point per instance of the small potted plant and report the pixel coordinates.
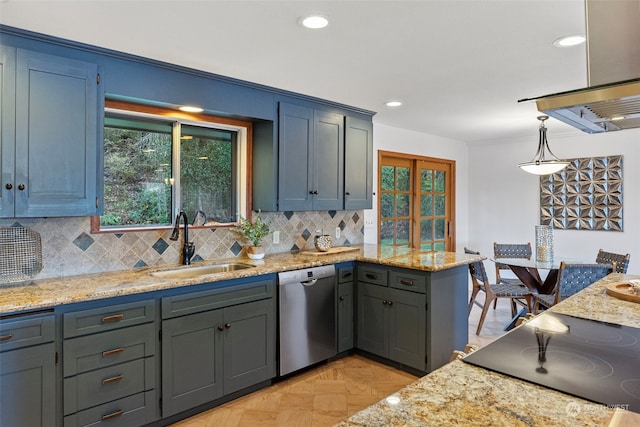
(254, 232)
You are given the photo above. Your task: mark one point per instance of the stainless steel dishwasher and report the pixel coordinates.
(307, 317)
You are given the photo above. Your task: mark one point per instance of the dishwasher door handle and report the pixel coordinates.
(309, 282)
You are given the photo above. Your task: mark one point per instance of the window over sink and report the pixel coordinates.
(159, 161)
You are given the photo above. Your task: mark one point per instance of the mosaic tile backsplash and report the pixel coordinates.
(69, 248)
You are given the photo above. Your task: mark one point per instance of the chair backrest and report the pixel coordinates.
(476, 269)
(622, 261)
(512, 250)
(573, 278)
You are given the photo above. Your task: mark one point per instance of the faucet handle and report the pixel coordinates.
(189, 250)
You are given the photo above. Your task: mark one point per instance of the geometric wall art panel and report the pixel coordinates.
(586, 195)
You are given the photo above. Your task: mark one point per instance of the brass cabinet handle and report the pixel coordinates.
(112, 352)
(341, 298)
(385, 302)
(371, 276)
(8, 186)
(113, 379)
(228, 325)
(406, 282)
(113, 318)
(6, 337)
(221, 328)
(346, 274)
(390, 302)
(112, 415)
(21, 187)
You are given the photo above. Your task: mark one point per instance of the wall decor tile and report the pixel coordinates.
(586, 195)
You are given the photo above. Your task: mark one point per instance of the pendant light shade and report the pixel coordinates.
(544, 162)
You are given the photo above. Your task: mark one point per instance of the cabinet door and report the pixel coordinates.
(328, 161)
(407, 328)
(295, 139)
(192, 364)
(358, 164)
(56, 136)
(373, 325)
(249, 344)
(27, 386)
(345, 316)
(7, 129)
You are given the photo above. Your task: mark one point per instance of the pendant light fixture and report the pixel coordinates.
(540, 164)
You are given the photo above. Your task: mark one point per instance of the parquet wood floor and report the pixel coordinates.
(331, 392)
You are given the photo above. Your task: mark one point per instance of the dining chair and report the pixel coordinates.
(509, 250)
(572, 278)
(622, 261)
(480, 281)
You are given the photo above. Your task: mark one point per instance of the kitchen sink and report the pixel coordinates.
(186, 272)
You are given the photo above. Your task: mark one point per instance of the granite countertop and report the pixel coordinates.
(47, 293)
(463, 394)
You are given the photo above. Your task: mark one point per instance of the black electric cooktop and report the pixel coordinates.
(593, 360)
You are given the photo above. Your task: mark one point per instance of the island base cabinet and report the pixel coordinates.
(345, 316)
(210, 354)
(134, 410)
(392, 324)
(27, 385)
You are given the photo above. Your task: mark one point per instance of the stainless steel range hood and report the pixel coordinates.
(612, 100)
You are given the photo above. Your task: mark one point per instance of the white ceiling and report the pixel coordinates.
(459, 66)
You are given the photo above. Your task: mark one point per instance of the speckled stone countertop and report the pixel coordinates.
(462, 394)
(47, 293)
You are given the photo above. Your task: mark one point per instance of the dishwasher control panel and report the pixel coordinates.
(298, 276)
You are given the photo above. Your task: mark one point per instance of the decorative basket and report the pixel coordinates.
(323, 242)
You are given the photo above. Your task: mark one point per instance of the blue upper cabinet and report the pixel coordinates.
(311, 159)
(55, 140)
(358, 164)
(7, 128)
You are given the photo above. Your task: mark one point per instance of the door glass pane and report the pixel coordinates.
(438, 246)
(388, 178)
(402, 232)
(439, 228)
(387, 232)
(426, 230)
(207, 173)
(403, 181)
(440, 181)
(386, 205)
(426, 179)
(403, 206)
(426, 205)
(440, 205)
(426, 247)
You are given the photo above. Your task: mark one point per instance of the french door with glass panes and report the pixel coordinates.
(416, 204)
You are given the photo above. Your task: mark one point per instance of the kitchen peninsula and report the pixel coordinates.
(153, 345)
(463, 394)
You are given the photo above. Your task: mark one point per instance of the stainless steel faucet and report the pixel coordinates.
(188, 248)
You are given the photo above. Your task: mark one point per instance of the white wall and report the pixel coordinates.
(504, 201)
(388, 138)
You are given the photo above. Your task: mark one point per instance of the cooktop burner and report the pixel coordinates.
(593, 360)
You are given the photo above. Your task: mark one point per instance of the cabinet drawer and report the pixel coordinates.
(108, 318)
(196, 302)
(135, 410)
(345, 274)
(109, 348)
(371, 274)
(26, 331)
(94, 388)
(408, 281)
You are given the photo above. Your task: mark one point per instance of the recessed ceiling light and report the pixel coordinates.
(569, 41)
(191, 109)
(393, 104)
(314, 22)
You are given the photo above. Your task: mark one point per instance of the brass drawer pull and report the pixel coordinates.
(112, 352)
(113, 318)
(371, 276)
(346, 274)
(113, 379)
(112, 415)
(406, 282)
(6, 337)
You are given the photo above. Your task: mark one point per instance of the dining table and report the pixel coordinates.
(528, 271)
